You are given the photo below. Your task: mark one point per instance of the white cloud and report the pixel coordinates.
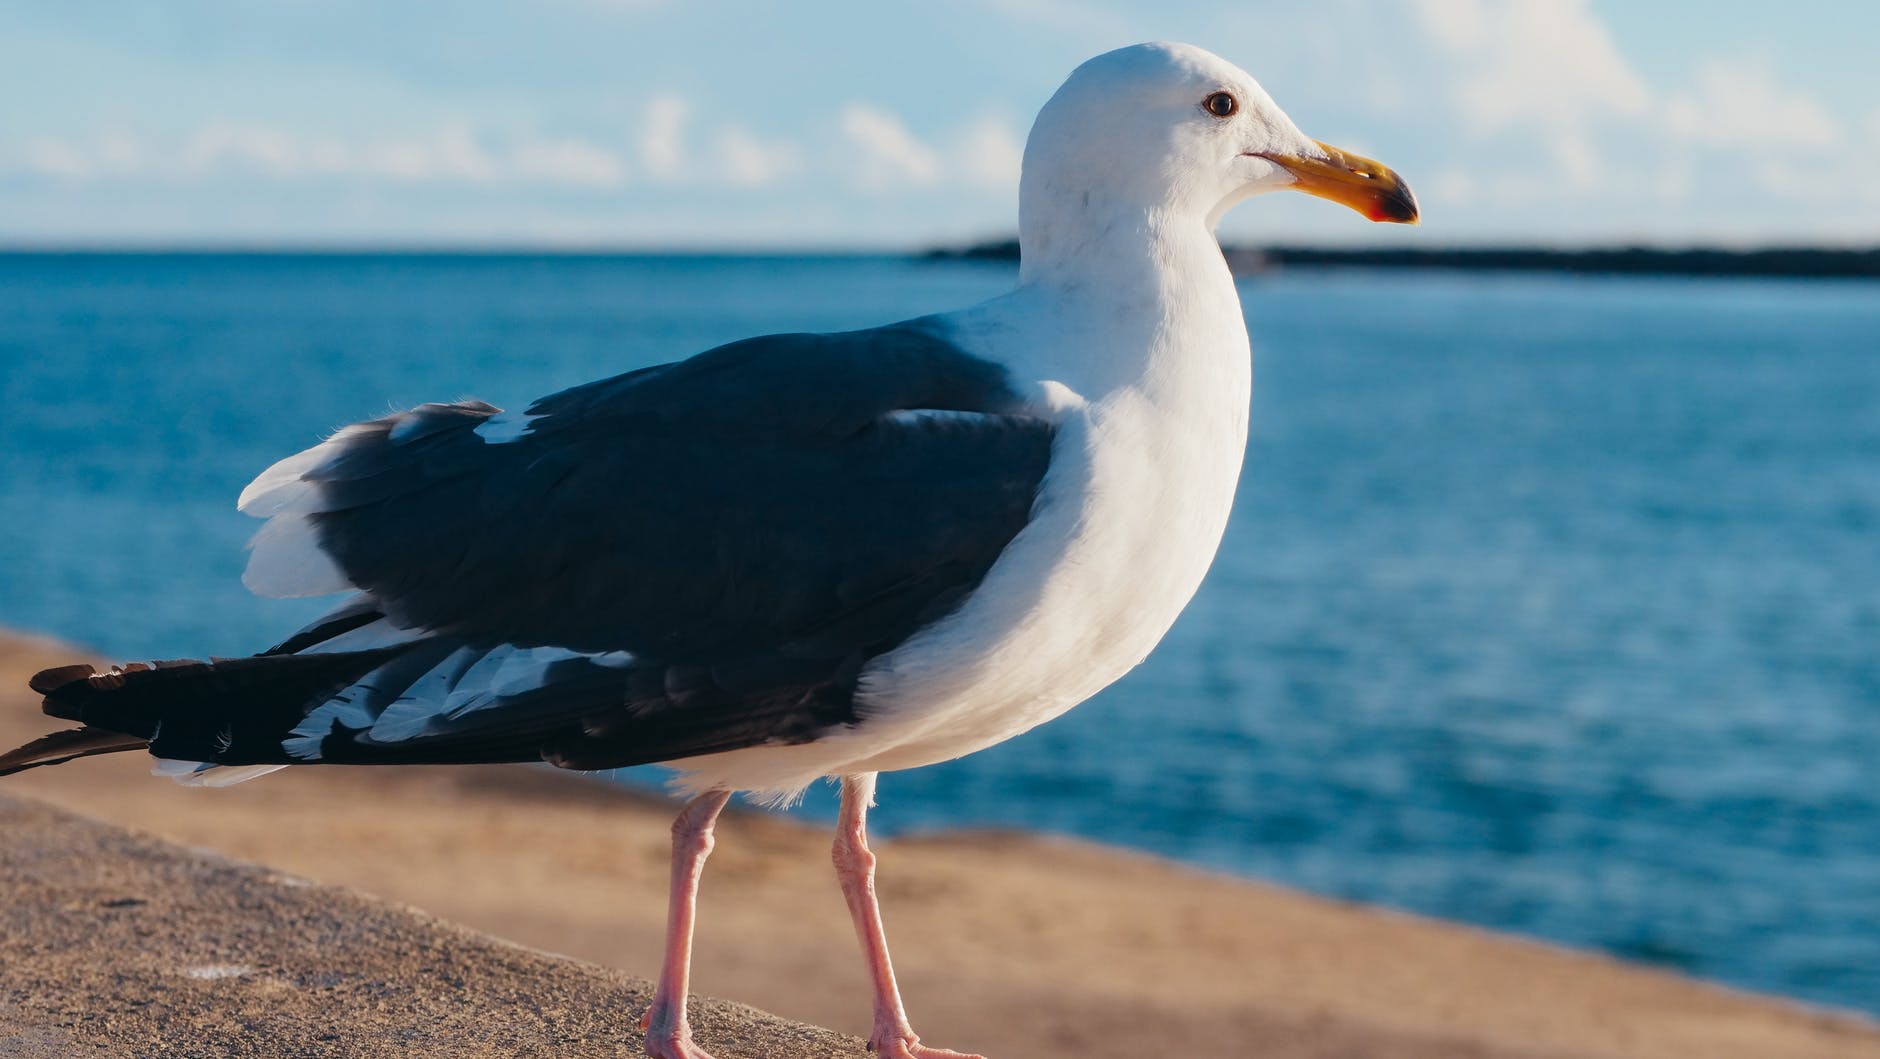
(734, 156)
(1453, 186)
(1575, 158)
(1534, 63)
(890, 154)
(220, 146)
(1064, 17)
(989, 154)
(116, 152)
(1458, 25)
(1868, 159)
(451, 154)
(1736, 104)
(107, 155)
(1544, 81)
(61, 161)
(746, 161)
(1546, 72)
(662, 137)
(569, 161)
(1774, 134)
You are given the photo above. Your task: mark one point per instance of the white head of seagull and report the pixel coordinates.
(1158, 136)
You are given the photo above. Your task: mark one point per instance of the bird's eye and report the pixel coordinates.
(1221, 104)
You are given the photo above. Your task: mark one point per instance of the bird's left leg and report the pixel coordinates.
(892, 1038)
(668, 1035)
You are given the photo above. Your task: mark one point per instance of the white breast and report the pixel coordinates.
(1118, 548)
(1127, 522)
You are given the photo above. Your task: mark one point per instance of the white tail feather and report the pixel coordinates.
(204, 774)
(284, 488)
(286, 560)
(468, 679)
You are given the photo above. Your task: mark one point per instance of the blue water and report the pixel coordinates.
(1550, 604)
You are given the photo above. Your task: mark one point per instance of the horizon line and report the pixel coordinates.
(961, 249)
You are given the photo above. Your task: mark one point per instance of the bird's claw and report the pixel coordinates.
(675, 1046)
(670, 1041)
(908, 1046)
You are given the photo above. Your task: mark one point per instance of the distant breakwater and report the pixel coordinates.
(1816, 262)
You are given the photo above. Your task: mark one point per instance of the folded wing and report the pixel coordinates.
(689, 558)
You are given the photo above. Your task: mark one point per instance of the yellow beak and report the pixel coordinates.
(1371, 188)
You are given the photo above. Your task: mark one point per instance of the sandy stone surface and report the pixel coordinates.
(119, 944)
(1013, 945)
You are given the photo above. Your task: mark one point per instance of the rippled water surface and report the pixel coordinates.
(1550, 604)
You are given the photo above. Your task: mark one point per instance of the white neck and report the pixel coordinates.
(1140, 299)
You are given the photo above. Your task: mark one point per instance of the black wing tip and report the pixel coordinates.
(50, 681)
(63, 746)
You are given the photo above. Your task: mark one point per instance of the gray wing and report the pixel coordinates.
(688, 558)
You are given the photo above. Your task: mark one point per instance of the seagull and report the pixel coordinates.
(793, 557)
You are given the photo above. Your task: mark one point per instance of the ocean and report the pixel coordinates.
(1550, 604)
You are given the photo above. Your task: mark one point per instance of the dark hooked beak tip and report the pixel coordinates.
(1371, 188)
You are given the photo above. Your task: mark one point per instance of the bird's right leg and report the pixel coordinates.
(668, 1036)
(892, 1038)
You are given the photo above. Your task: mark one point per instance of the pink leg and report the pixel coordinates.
(668, 1036)
(892, 1038)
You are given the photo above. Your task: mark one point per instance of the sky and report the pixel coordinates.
(747, 124)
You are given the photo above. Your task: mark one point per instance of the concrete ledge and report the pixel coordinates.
(117, 944)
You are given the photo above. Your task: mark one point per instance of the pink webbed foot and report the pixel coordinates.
(676, 1047)
(905, 1045)
(670, 1042)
